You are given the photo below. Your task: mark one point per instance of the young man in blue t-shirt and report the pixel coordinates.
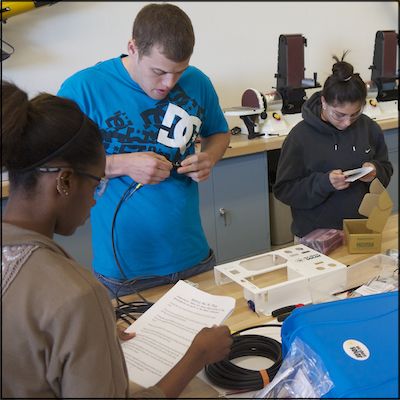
(151, 106)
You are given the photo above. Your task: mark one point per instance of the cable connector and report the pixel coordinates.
(285, 310)
(176, 164)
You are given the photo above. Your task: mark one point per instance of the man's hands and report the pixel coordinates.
(147, 168)
(197, 166)
(151, 168)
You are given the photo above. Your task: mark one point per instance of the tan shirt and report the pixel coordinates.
(59, 334)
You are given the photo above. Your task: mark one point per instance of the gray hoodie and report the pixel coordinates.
(312, 149)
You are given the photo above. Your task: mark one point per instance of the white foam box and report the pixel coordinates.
(283, 277)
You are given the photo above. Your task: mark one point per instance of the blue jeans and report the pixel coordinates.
(117, 287)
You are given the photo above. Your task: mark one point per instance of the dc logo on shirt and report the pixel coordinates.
(177, 128)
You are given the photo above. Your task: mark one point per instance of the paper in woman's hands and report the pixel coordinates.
(354, 174)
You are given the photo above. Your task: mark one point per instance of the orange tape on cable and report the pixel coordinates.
(264, 376)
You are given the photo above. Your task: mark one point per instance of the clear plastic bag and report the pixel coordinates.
(386, 281)
(301, 375)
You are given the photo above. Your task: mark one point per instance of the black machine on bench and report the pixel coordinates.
(262, 113)
(382, 97)
(290, 81)
(383, 68)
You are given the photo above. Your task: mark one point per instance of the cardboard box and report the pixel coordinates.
(365, 235)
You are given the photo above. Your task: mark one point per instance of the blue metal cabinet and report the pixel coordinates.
(207, 207)
(241, 207)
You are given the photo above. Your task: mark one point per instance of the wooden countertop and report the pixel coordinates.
(242, 317)
(240, 145)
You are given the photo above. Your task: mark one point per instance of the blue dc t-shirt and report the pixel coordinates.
(157, 230)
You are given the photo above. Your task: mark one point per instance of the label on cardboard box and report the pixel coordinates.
(364, 243)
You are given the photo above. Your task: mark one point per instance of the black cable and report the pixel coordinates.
(122, 199)
(230, 376)
(125, 310)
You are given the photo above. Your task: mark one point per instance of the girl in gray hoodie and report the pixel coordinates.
(334, 136)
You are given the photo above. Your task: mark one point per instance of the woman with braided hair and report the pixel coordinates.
(334, 136)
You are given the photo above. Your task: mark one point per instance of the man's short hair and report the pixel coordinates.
(166, 26)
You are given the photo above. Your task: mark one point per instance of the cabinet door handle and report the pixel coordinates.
(223, 213)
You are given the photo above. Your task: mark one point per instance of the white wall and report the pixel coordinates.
(236, 42)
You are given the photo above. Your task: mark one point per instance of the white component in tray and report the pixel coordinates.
(306, 270)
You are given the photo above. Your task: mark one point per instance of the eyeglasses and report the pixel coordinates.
(102, 181)
(339, 117)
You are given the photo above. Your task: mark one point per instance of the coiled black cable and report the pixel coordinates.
(230, 376)
(127, 310)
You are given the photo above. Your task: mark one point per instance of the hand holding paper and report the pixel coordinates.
(165, 332)
(337, 179)
(354, 174)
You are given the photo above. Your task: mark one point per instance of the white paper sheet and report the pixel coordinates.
(166, 330)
